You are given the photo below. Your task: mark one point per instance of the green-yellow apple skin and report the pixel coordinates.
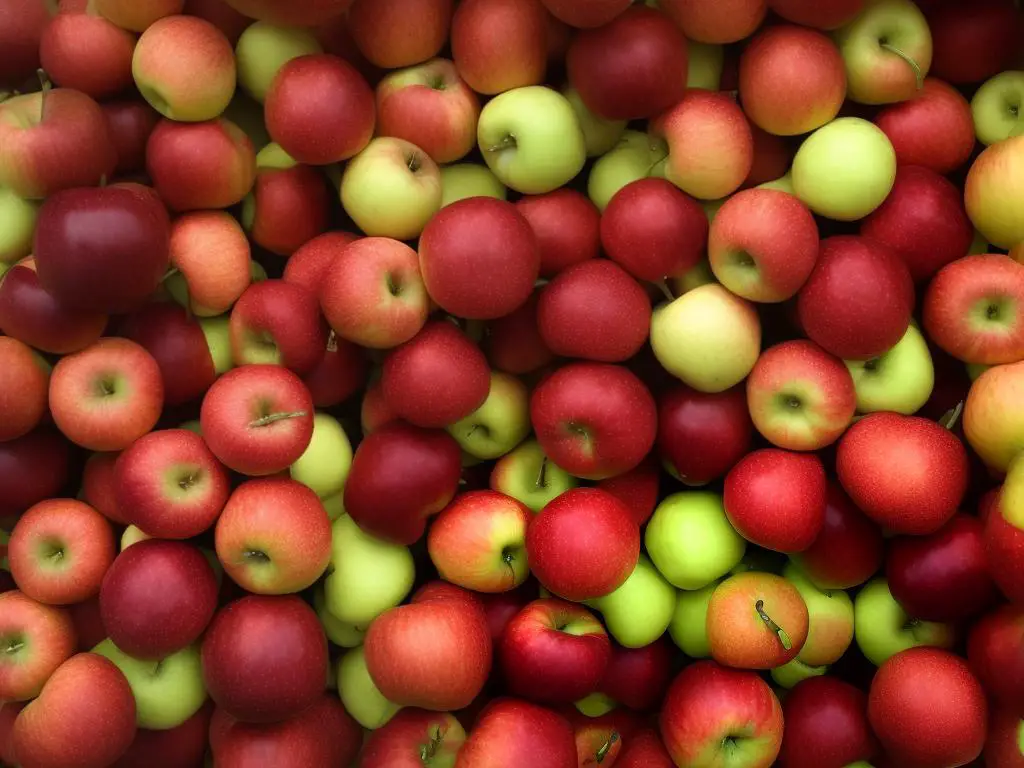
(531, 139)
(845, 169)
(218, 338)
(992, 192)
(500, 423)
(689, 627)
(793, 672)
(17, 226)
(264, 48)
(784, 184)
(900, 379)
(167, 692)
(600, 135)
(334, 505)
(391, 189)
(690, 540)
(366, 575)
(883, 629)
(273, 156)
(361, 697)
(640, 610)
(465, 180)
(830, 620)
(1011, 502)
(526, 473)
(596, 705)
(632, 159)
(694, 277)
(705, 62)
(323, 467)
(708, 338)
(996, 107)
(341, 633)
(133, 535)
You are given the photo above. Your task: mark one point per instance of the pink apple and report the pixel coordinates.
(498, 45)
(278, 323)
(24, 384)
(38, 639)
(84, 51)
(399, 33)
(567, 227)
(208, 286)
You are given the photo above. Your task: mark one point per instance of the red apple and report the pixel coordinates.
(38, 638)
(637, 677)
(515, 732)
(287, 207)
(88, 623)
(32, 468)
(772, 157)
(399, 33)
(341, 372)
(599, 740)
(820, 14)
(9, 712)
(135, 15)
(276, 322)
(498, 45)
(257, 419)
(514, 343)
(644, 749)
(414, 738)
(222, 15)
(24, 387)
(1002, 745)
(453, 258)
(1004, 547)
(501, 607)
(307, 266)
(86, 52)
(994, 650)
(906, 473)
(184, 744)
(973, 42)
(637, 488)
(631, 68)
(208, 286)
(826, 724)
(304, 13)
(567, 227)
(588, 14)
(22, 23)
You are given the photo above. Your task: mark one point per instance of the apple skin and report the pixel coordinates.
(400, 476)
(49, 635)
(399, 33)
(638, 489)
(32, 468)
(498, 45)
(554, 652)
(992, 177)
(84, 716)
(136, 17)
(994, 653)
(527, 474)
(791, 80)
(636, 156)
(588, 15)
(928, 691)
(304, 13)
(278, 323)
(288, 206)
(638, 677)
(26, 377)
(933, 129)
(991, 422)
(567, 227)
(1004, 547)
(1002, 745)
(728, 22)
(814, 13)
(882, 628)
(513, 731)
(975, 42)
(86, 52)
(858, 300)
(930, 463)
(257, 419)
(308, 265)
(848, 549)
(513, 343)
(708, 706)
(23, 24)
(640, 610)
(185, 744)
(208, 287)
(408, 736)
(776, 499)
(280, 635)
(644, 750)
(450, 251)
(826, 724)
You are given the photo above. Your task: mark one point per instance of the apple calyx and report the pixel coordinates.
(429, 750)
(272, 418)
(770, 623)
(952, 416)
(602, 753)
(885, 45)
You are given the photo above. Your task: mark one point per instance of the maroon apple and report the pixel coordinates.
(637, 488)
(975, 41)
(995, 650)
(637, 677)
(21, 26)
(32, 468)
(341, 372)
(287, 208)
(184, 744)
(501, 607)
(1004, 547)
(130, 123)
(514, 343)
(826, 724)
(567, 226)
(515, 732)
(645, 749)
(279, 323)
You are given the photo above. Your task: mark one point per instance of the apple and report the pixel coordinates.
(639, 611)
(303, 13)
(826, 724)
(1005, 731)
(137, 16)
(325, 464)
(26, 377)
(527, 474)
(340, 633)
(883, 628)
(360, 696)
(86, 52)
(709, 338)
(263, 49)
(638, 488)
(451, 251)
(635, 157)
(208, 286)
(688, 628)
(973, 43)
(37, 638)
(257, 419)
(170, 485)
(464, 180)
(644, 749)
(32, 468)
(19, 217)
(498, 45)
(275, 322)
(399, 33)
(727, 23)
(567, 227)
(157, 597)
(830, 620)
(308, 265)
(727, 716)
(513, 343)
(391, 188)
(341, 372)
(499, 424)
(638, 677)
(991, 179)
(990, 420)
(993, 650)
(130, 123)
(414, 738)
(828, 15)
(1004, 545)
(600, 135)
(512, 731)
(900, 379)
(24, 22)
(791, 80)
(995, 105)
(588, 15)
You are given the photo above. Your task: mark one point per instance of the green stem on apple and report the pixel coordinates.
(602, 753)
(951, 417)
(169, 274)
(44, 88)
(507, 142)
(783, 637)
(542, 475)
(271, 418)
(429, 750)
(663, 287)
(918, 74)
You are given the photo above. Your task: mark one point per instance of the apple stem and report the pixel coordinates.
(783, 637)
(602, 753)
(429, 750)
(44, 88)
(918, 74)
(332, 342)
(14, 646)
(271, 418)
(663, 287)
(951, 417)
(542, 475)
(508, 142)
(169, 274)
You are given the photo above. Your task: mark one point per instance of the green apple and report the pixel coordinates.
(133, 535)
(366, 575)
(17, 226)
(691, 541)
(391, 189)
(708, 337)
(689, 627)
(694, 277)
(996, 107)
(274, 156)
(795, 671)
(705, 62)
(264, 48)
(900, 379)
(638, 612)
(883, 629)
(527, 474)
(258, 272)
(784, 184)
(531, 140)
(323, 467)
(596, 705)
(361, 697)
(600, 135)
(830, 620)
(167, 692)
(464, 180)
(334, 505)
(500, 424)
(218, 339)
(845, 169)
(633, 158)
(339, 632)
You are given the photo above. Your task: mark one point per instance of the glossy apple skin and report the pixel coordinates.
(157, 598)
(307, 266)
(995, 651)
(972, 43)
(638, 677)
(637, 488)
(514, 343)
(498, 45)
(286, 314)
(289, 207)
(400, 742)
(400, 476)
(87, 52)
(567, 226)
(514, 732)
(826, 724)
(32, 468)
(281, 636)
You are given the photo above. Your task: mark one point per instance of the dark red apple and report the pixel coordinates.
(826, 724)
(567, 226)
(21, 27)
(995, 650)
(32, 468)
(514, 343)
(637, 488)
(182, 745)
(130, 123)
(501, 607)
(973, 41)
(280, 323)
(644, 750)
(1004, 546)
(638, 677)
(341, 372)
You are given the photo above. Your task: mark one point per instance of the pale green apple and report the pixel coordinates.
(133, 535)
(900, 379)
(531, 140)
(334, 505)
(167, 692)
(391, 189)
(883, 629)
(689, 627)
(17, 226)
(1011, 505)
(691, 541)
(795, 671)
(694, 277)
(264, 48)
(709, 338)
(600, 135)
(361, 697)
(527, 474)
(705, 62)
(845, 169)
(339, 632)
(784, 184)
(218, 339)
(273, 156)
(996, 107)
(366, 575)
(830, 617)
(323, 467)
(632, 159)
(500, 423)
(596, 704)
(465, 180)
(638, 612)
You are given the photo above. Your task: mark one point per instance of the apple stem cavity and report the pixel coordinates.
(272, 418)
(255, 554)
(602, 753)
(918, 74)
(770, 622)
(951, 417)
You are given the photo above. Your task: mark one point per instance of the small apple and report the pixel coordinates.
(360, 695)
(900, 379)
(527, 474)
(689, 627)
(499, 424)
(324, 466)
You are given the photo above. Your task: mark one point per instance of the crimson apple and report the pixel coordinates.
(184, 744)
(644, 749)
(341, 372)
(567, 226)
(637, 488)
(820, 14)
(637, 677)
(514, 732)
(86, 52)
(498, 45)
(24, 388)
(308, 265)
(278, 323)
(32, 468)
(98, 489)
(130, 123)
(288, 207)
(994, 650)
(1004, 547)
(826, 724)
(22, 23)
(1002, 745)
(414, 738)
(513, 342)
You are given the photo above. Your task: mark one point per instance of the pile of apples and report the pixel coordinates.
(511, 383)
